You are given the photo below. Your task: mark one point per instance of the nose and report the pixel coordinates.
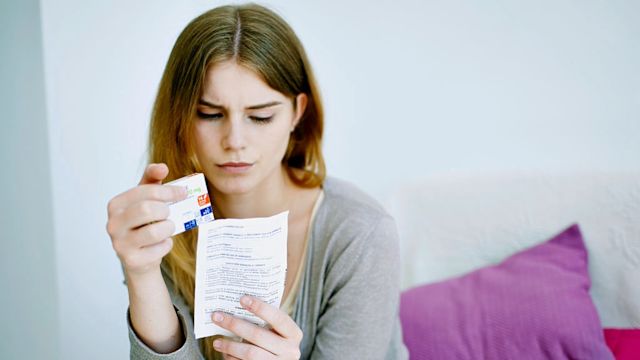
(234, 134)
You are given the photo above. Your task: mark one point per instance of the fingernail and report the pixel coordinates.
(217, 344)
(246, 301)
(217, 317)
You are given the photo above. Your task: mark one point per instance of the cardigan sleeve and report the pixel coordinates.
(361, 296)
(189, 350)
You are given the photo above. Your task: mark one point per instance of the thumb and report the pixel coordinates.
(154, 173)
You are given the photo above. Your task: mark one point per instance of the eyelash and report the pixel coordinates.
(257, 119)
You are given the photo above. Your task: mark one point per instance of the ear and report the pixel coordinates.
(301, 105)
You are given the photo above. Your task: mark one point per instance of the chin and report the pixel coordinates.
(234, 185)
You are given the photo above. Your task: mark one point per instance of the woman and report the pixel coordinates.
(238, 102)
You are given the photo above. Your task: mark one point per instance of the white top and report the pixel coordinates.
(287, 304)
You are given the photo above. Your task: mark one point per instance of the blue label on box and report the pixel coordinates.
(205, 211)
(190, 224)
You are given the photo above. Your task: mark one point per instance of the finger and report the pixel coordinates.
(151, 234)
(144, 212)
(154, 173)
(257, 335)
(241, 350)
(145, 256)
(158, 250)
(164, 193)
(152, 253)
(278, 319)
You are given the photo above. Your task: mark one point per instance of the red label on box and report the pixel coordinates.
(203, 200)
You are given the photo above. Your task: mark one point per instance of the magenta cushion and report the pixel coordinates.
(533, 305)
(624, 343)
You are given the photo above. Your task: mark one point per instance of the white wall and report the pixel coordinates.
(28, 281)
(411, 88)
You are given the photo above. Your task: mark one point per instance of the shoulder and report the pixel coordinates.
(348, 200)
(353, 234)
(348, 214)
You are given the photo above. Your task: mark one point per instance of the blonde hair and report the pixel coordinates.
(263, 42)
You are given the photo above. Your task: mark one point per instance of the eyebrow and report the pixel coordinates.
(252, 107)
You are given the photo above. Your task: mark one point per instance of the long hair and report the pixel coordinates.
(260, 40)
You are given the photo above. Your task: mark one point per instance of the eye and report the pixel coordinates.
(215, 116)
(260, 119)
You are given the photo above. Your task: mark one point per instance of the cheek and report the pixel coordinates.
(203, 140)
(277, 142)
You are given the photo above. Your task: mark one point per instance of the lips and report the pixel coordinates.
(235, 167)
(235, 164)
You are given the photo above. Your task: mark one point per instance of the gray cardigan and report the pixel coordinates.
(347, 301)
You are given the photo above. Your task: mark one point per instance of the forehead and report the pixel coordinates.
(229, 84)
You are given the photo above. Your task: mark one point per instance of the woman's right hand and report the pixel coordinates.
(138, 226)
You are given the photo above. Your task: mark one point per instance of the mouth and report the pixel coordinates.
(235, 167)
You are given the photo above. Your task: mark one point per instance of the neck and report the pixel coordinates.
(267, 199)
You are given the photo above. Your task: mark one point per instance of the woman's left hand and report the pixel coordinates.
(282, 341)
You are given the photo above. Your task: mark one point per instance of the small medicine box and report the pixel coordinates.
(196, 208)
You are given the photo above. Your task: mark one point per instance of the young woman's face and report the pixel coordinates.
(242, 128)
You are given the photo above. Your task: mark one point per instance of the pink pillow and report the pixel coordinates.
(625, 343)
(533, 305)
